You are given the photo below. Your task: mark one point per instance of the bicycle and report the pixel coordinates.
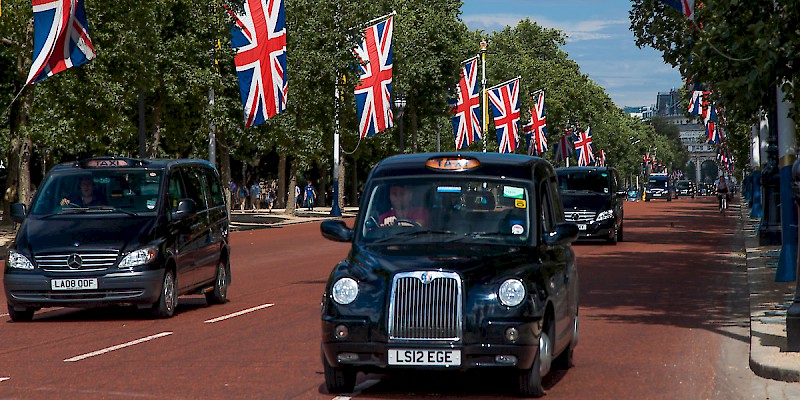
(723, 202)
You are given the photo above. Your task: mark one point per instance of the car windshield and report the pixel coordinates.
(683, 185)
(447, 210)
(657, 183)
(590, 181)
(103, 190)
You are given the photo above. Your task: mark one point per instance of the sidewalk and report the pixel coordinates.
(246, 220)
(769, 301)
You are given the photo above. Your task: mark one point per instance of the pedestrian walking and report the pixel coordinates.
(243, 194)
(296, 197)
(255, 197)
(270, 198)
(310, 195)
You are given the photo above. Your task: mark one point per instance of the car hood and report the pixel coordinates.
(478, 262)
(585, 201)
(68, 233)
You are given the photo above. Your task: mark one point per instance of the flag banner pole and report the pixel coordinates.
(372, 21)
(470, 59)
(504, 83)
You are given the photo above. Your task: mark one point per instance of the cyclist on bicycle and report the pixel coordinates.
(722, 192)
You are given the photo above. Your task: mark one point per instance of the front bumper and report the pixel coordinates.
(658, 195)
(372, 355)
(598, 230)
(25, 289)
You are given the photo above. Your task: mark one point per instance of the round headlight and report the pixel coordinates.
(511, 293)
(345, 290)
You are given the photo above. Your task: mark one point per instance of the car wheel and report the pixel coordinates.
(530, 380)
(220, 293)
(646, 200)
(165, 306)
(620, 233)
(338, 379)
(25, 315)
(564, 360)
(669, 199)
(614, 238)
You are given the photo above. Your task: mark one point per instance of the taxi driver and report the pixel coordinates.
(403, 212)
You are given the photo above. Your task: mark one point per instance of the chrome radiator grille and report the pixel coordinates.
(425, 305)
(77, 262)
(579, 215)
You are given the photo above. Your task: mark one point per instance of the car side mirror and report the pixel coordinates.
(564, 232)
(18, 212)
(186, 208)
(622, 193)
(336, 230)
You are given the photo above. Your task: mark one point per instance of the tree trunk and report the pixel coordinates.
(225, 166)
(152, 152)
(281, 195)
(414, 123)
(354, 189)
(322, 185)
(290, 209)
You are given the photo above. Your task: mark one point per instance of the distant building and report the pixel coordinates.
(693, 137)
(644, 113)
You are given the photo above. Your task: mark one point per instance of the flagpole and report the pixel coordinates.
(484, 104)
(364, 24)
(504, 83)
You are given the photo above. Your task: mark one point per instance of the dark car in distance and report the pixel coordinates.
(120, 231)
(459, 261)
(593, 198)
(685, 187)
(659, 187)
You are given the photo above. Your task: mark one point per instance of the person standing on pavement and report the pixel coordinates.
(310, 195)
(243, 194)
(255, 196)
(296, 197)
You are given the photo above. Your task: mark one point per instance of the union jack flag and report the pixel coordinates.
(61, 38)
(374, 91)
(686, 7)
(260, 37)
(563, 147)
(696, 102)
(466, 108)
(583, 147)
(504, 99)
(535, 131)
(601, 158)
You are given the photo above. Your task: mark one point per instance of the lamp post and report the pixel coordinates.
(400, 105)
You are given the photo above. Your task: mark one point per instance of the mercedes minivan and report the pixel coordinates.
(593, 198)
(111, 230)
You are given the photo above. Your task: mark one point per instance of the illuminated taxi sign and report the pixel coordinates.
(106, 163)
(455, 164)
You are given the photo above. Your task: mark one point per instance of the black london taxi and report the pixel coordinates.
(113, 230)
(593, 199)
(459, 261)
(684, 187)
(659, 187)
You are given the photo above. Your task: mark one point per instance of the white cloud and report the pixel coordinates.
(576, 31)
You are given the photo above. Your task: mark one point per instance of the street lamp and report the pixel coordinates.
(400, 105)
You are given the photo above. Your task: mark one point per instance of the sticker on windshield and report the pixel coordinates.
(517, 230)
(513, 192)
(151, 204)
(449, 189)
(520, 203)
(605, 190)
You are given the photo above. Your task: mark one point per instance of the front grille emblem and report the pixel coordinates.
(74, 261)
(575, 217)
(426, 278)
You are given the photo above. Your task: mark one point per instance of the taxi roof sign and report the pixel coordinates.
(455, 164)
(108, 162)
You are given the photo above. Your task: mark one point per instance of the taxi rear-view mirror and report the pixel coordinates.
(564, 232)
(186, 208)
(336, 230)
(18, 211)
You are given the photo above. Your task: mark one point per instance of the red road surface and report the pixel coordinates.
(655, 317)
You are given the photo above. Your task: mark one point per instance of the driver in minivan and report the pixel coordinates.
(86, 196)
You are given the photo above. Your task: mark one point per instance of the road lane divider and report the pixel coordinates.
(117, 347)
(4, 378)
(358, 389)
(3, 315)
(238, 313)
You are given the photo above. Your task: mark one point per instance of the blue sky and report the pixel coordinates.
(600, 41)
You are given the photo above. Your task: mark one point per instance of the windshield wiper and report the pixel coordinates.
(112, 208)
(73, 209)
(412, 234)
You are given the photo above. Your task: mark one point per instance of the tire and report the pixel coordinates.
(669, 199)
(21, 316)
(168, 300)
(530, 380)
(220, 293)
(646, 200)
(338, 379)
(620, 233)
(614, 239)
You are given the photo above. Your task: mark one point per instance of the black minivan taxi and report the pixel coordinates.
(593, 198)
(458, 261)
(113, 230)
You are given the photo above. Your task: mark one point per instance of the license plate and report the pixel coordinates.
(73, 284)
(581, 227)
(442, 358)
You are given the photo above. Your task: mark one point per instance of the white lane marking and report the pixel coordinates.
(4, 378)
(358, 389)
(117, 347)
(3, 315)
(238, 313)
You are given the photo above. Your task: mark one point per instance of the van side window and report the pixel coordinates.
(545, 203)
(193, 184)
(175, 191)
(216, 198)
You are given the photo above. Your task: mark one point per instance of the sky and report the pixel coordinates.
(599, 40)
